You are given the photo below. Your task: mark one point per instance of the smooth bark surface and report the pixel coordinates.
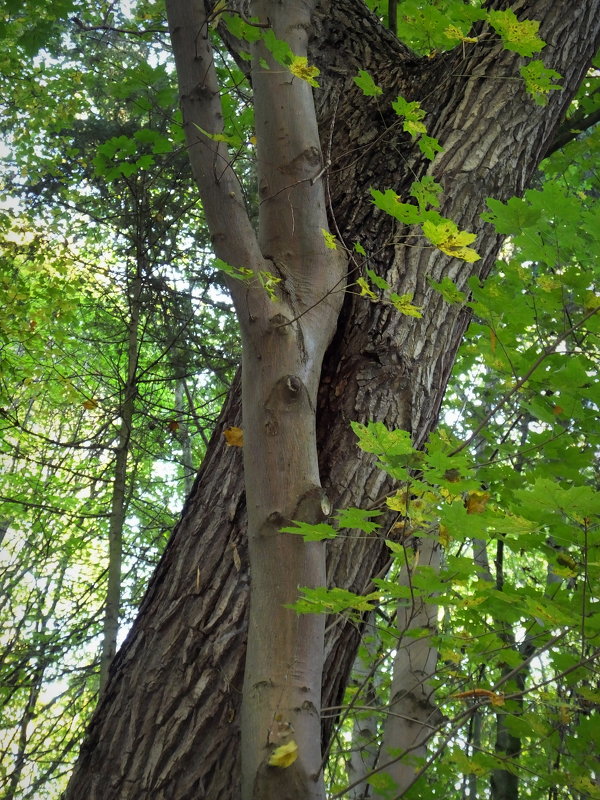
(413, 715)
(118, 503)
(167, 725)
(284, 342)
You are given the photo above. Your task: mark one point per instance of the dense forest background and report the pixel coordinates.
(119, 343)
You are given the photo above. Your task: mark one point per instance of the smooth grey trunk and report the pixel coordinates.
(283, 347)
(183, 434)
(413, 715)
(179, 358)
(364, 742)
(168, 724)
(118, 503)
(283, 343)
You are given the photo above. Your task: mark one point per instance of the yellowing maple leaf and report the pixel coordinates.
(402, 303)
(302, 69)
(234, 437)
(284, 756)
(329, 239)
(447, 238)
(414, 127)
(476, 502)
(444, 536)
(364, 289)
(454, 32)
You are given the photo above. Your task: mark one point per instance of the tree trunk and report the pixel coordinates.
(118, 503)
(413, 714)
(167, 725)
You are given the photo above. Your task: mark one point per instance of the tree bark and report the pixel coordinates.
(167, 725)
(413, 714)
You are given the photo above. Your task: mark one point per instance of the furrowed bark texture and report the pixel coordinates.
(167, 725)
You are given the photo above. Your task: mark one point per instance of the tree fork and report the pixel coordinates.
(179, 674)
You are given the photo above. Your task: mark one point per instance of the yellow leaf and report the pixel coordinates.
(89, 404)
(444, 536)
(453, 32)
(217, 11)
(564, 714)
(592, 301)
(447, 238)
(480, 694)
(414, 127)
(301, 69)
(476, 502)
(397, 502)
(402, 304)
(329, 238)
(465, 253)
(285, 755)
(234, 437)
(364, 289)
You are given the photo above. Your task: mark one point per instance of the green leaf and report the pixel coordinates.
(377, 280)
(358, 518)
(539, 81)
(366, 84)
(376, 438)
(332, 601)
(426, 192)
(429, 146)
(312, 532)
(511, 217)
(448, 289)
(520, 37)
(391, 204)
(413, 115)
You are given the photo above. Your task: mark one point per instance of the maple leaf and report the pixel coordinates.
(234, 437)
(365, 291)
(447, 238)
(284, 756)
(402, 303)
(302, 69)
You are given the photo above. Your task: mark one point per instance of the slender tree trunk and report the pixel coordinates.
(167, 725)
(364, 742)
(413, 714)
(183, 433)
(118, 505)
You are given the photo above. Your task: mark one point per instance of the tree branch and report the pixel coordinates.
(571, 129)
(231, 232)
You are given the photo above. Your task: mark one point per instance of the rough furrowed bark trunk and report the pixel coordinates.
(167, 725)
